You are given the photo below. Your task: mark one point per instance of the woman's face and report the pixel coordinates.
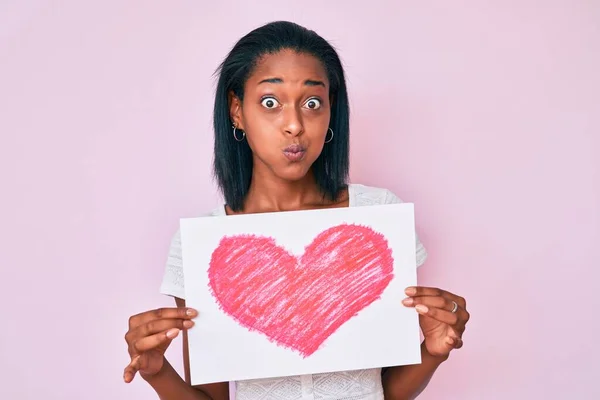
(285, 113)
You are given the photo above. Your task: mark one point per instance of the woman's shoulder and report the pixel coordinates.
(364, 195)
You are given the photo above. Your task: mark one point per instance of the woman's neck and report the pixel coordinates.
(269, 193)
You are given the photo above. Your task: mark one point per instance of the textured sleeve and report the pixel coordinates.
(391, 198)
(172, 283)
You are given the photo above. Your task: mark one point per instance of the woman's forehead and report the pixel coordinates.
(289, 67)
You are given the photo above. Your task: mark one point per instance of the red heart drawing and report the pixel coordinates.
(298, 302)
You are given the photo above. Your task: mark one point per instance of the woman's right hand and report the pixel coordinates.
(150, 334)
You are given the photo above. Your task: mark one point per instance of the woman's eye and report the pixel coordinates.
(313, 104)
(269, 102)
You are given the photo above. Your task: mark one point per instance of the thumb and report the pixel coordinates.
(131, 369)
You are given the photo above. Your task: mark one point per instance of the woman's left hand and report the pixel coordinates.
(442, 316)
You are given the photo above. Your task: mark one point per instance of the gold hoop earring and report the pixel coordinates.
(331, 138)
(235, 134)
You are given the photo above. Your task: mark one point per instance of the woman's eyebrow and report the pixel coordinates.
(308, 82)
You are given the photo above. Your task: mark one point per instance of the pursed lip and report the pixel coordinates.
(294, 148)
(294, 152)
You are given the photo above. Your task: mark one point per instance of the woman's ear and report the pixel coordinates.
(235, 110)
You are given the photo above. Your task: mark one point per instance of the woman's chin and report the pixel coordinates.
(293, 173)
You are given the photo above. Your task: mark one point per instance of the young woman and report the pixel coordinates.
(281, 122)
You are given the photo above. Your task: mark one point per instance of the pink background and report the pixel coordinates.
(485, 114)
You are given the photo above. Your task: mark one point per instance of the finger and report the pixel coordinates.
(456, 338)
(440, 302)
(430, 301)
(157, 326)
(417, 291)
(458, 344)
(153, 341)
(438, 314)
(457, 320)
(443, 303)
(423, 291)
(131, 369)
(455, 342)
(154, 327)
(162, 313)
